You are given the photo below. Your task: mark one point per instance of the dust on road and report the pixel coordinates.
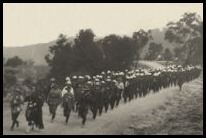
(169, 111)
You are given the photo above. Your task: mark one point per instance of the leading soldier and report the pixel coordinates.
(54, 99)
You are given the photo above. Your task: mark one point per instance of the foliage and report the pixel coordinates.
(119, 52)
(188, 35)
(154, 51)
(14, 62)
(168, 56)
(88, 57)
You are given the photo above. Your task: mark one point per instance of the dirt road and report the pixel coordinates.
(169, 111)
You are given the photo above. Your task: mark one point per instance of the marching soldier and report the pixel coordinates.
(84, 101)
(54, 99)
(107, 93)
(15, 103)
(95, 99)
(119, 90)
(32, 111)
(68, 99)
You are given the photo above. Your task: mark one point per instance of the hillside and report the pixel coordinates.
(158, 37)
(35, 52)
(38, 51)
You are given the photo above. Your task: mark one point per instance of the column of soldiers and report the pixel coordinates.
(103, 91)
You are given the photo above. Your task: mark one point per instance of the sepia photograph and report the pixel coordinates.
(102, 68)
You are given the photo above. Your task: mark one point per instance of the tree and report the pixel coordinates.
(119, 52)
(141, 38)
(153, 51)
(168, 56)
(9, 79)
(186, 34)
(29, 62)
(60, 59)
(14, 62)
(88, 58)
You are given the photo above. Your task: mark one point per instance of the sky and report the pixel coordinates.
(25, 24)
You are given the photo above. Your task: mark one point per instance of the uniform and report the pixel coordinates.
(84, 102)
(53, 100)
(15, 104)
(67, 99)
(32, 113)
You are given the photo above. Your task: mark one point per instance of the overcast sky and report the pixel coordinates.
(25, 24)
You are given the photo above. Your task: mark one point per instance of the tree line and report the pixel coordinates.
(113, 52)
(85, 55)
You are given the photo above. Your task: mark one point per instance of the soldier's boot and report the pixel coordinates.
(53, 117)
(125, 99)
(144, 94)
(17, 123)
(83, 120)
(12, 126)
(77, 107)
(117, 103)
(106, 107)
(135, 95)
(100, 110)
(130, 98)
(67, 119)
(112, 105)
(180, 86)
(32, 127)
(94, 114)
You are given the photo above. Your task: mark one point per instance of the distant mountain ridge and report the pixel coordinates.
(37, 52)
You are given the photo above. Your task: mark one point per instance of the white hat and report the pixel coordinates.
(87, 76)
(68, 82)
(68, 78)
(108, 71)
(141, 74)
(52, 79)
(81, 77)
(121, 73)
(74, 77)
(108, 79)
(127, 77)
(102, 81)
(137, 74)
(102, 72)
